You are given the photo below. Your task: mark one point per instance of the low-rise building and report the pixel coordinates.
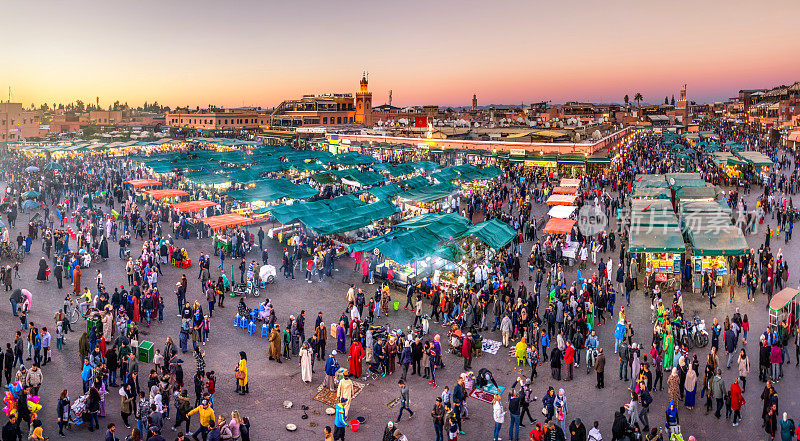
(17, 123)
(218, 119)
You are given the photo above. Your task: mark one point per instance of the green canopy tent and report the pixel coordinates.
(653, 218)
(336, 215)
(385, 192)
(430, 193)
(323, 178)
(415, 182)
(268, 190)
(650, 184)
(718, 241)
(656, 239)
(201, 178)
(358, 178)
(756, 159)
(494, 233)
(705, 192)
(244, 176)
(651, 193)
(694, 206)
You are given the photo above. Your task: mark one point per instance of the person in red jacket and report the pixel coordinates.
(569, 360)
(737, 401)
(466, 351)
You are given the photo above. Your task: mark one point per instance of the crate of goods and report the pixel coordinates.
(146, 351)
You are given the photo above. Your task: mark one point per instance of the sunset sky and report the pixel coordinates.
(259, 52)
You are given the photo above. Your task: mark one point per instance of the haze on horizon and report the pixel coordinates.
(258, 53)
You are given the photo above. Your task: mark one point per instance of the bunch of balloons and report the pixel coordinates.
(11, 400)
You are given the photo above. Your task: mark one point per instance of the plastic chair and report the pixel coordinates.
(264, 331)
(237, 321)
(253, 315)
(580, 277)
(251, 328)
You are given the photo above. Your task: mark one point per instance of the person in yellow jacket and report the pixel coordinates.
(206, 418)
(241, 375)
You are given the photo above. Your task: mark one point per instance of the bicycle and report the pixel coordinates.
(74, 312)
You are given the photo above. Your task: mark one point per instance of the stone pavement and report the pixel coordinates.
(273, 383)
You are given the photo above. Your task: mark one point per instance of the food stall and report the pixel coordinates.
(192, 206)
(222, 222)
(658, 250)
(784, 305)
(711, 247)
(568, 182)
(557, 226)
(165, 193)
(562, 211)
(142, 183)
(565, 190)
(757, 165)
(561, 199)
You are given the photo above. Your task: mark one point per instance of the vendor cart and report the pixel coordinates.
(784, 306)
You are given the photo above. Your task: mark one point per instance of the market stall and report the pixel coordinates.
(562, 199)
(224, 221)
(784, 306)
(711, 247)
(165, 193)
(757, 165)
(436, 246)
(559, 226)
(142, 183)
(566, 182)
(192, 206)
(659, 251)
(562, 211)
(565, 190)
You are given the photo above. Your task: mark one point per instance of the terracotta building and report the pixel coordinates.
(17, 123)
(217, 119)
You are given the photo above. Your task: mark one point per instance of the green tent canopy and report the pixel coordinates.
(678, 183)
(656, 239)
(651, 193)
(493, 233)
(202, 178)
(268, 190)
(243, 176)
(362, 179)
(385, 192)
(415, 182)
(696, 193)
(336, 215)
(430, 193)
(653, 218)
(757, 159)
(718, 241)
(647, 183)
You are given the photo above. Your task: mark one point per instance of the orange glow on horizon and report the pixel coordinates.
(257, 53)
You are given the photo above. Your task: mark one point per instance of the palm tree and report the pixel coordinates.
(638, 98)
(627, 100)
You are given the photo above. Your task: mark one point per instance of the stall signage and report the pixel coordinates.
(517, 152)
(546, 164)
(376, 251)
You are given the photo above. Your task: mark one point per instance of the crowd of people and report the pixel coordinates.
(553, 315)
